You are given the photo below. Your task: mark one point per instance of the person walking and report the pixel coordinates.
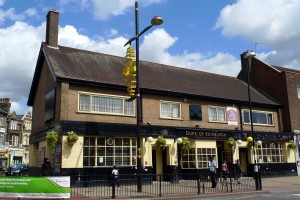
(224, 171)
(213, 170)
(46, 168)
(115, 175)
(239, 171)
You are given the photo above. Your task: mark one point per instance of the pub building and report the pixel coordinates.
(84, 92)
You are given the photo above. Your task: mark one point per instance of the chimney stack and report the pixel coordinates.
(52, 28)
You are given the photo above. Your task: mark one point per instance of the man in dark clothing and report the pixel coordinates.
(46, 168)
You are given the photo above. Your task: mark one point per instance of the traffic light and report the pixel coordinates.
(129, 71)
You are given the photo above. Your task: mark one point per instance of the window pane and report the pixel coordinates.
(221, 114)
(195, 112)
(84, 102)
(165, 110)
(128, 107)
(175, 110)
(212, 114)
(101, 141)
(246, 116)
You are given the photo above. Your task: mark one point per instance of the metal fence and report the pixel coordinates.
(153, 185)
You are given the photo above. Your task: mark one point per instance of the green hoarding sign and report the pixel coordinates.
(35, 187)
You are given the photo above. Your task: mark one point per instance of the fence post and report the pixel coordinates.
(230, 181)
(160, 186)
(198, 184)
(203, 187)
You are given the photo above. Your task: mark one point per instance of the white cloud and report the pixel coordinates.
(155, 49)
(271, 22)
(18, 59)
(105, 9)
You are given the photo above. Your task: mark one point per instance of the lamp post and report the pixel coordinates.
(154, 22)
(248, 55)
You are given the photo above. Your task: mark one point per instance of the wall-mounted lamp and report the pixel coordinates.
(150, 139)
(259, 142)
(149, 123)
(197, 126)
(179, 140)
(239, 142)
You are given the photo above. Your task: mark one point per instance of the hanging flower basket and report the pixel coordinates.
(52, 139)
(291, 145)
(161, 142)
(231, 143)
(71, 138)
(185, 144)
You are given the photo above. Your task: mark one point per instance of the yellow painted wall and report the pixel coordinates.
(72, 157)
(290, 155)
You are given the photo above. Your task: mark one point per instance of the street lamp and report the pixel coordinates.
(154, 22)
(248, 55)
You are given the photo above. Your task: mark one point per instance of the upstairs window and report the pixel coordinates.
(1, 120)
(105, 104)
(26, 140)
(217, 114)
(195, 112)
(298, 92)
(13, 124)
(259, 118)
(170, 110)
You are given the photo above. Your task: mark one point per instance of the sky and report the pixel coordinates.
(205, 35)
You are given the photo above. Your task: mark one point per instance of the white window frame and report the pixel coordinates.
(15, 140)
(171, 111)
(1, 120)
(298, 92)
(217, 114)
(13, 124)
(261, 112)
(26, 140)
(105, 96)
(116, 155)
(270, 152)
(198, 158)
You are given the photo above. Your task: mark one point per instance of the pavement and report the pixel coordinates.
(269, 185)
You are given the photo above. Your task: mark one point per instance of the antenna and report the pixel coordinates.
(255, 44)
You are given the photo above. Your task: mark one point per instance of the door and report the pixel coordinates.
(243, 157)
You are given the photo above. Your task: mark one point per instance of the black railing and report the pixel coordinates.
(154, 185)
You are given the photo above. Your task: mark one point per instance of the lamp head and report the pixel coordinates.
(249, 139)
(156, 21)
(249, 54)
(150, 139)
(179, 140)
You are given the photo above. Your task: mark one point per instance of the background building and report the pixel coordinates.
(12, 134)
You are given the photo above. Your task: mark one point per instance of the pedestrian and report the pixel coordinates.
(115, 176)
(239, 171)
(224, 170)
(46, 168)
(213, 170)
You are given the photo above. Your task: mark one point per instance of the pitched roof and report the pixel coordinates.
(283, 69)
(2, 111)
(75, 65)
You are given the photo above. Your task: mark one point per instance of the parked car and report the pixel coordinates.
(17, 170)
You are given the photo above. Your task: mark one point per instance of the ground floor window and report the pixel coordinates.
(270, 152)
(108, 151)
(197, 158)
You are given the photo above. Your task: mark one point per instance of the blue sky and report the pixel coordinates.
(205, 35)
